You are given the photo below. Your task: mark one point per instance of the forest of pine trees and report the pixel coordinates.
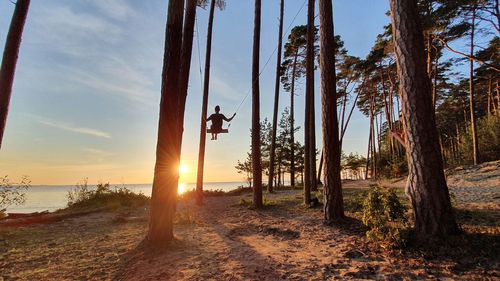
(429, 105)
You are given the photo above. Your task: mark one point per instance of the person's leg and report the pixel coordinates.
(212, 128)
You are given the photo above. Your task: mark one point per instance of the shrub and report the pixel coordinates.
(384, 215)
(353, 201)
(103, 196)
(265, 202)
(13, 193)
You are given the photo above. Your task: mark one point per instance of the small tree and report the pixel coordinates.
(245, 168)
(13, 193)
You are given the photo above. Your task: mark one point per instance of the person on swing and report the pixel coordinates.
(217, 120)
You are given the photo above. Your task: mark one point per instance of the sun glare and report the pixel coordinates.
(182, 188)
(183, 169)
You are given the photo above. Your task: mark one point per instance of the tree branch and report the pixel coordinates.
(468, 56)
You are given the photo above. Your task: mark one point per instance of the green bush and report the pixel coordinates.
(353, 201)
(488, 133)
(385, 215)
(103, 196)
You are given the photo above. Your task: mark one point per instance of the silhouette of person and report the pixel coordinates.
(217, 120)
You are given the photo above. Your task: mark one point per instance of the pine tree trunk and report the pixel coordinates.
(434, 84)
(186, 52)
(368, 152)
(312, 120)
(333, 202)
(475, 144)
(256, 154)
(9, 60)
(309, 100)
(276, 101)
(490, 96)
(204, 107)
(292, 123)
(426, 184)
(165, 182)
(320, 168)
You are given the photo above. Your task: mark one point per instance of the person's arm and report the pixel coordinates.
(228, 119)
(209, 118)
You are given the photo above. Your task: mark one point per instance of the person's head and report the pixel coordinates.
(217, 109)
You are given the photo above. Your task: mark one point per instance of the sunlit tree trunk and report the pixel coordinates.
(204, 107)
(473, 125)
(333, 202)
(9, 60)
(367, 168)
(256, 155)
(426, 183)
(276, 101)
(292, 122)
(320, 168)
(166, 173)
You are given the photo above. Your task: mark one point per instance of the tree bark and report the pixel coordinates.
(256, 154)
(204, 107)
(426, 183)
(367, 168)
(276, 100)
(309, 100)
(333, 202)
(320, 168)
(292, 123)
(166, 173)
(475, 145)
(9, 60)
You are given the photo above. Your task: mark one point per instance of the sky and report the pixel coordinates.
(86, 93)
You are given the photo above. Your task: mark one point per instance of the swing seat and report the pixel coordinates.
(223, 131)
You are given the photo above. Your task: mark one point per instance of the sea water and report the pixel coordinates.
(53, 197)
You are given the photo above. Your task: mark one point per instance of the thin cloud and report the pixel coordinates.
(75, 129)
(97, 152)
(115, 9)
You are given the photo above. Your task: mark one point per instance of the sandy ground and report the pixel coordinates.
(226, 241)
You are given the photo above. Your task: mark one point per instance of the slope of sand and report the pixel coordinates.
(225, 241)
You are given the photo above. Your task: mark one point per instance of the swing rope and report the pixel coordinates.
(268, 60)
(199, 55)
(263, 68)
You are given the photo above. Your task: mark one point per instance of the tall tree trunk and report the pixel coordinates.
(309, 175)
(292, 122)
(490, 96)
(320, 168)
(367, 168)
(9, 60)
(276, 101)
(434, 84)
(426, 183)
(429, 53)
(473, 125)
(372, 135)
(166, 174)
(256, 155)
(204, 107)
(186, 52)
(333, 202)
(312, 120)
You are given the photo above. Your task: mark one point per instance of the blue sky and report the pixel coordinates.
(87, 86)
